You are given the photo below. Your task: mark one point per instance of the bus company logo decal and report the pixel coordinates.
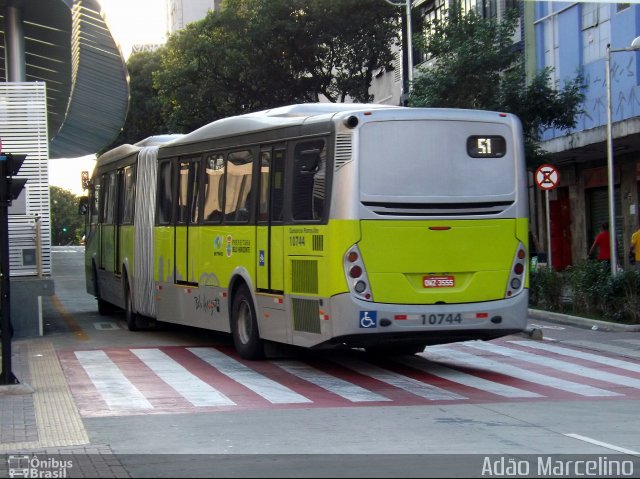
(229, 246)
(368, 319)
(208, 279)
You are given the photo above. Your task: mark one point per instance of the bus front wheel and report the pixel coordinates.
(244, 326)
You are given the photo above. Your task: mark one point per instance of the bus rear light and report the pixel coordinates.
(356, 274)
(516, 280)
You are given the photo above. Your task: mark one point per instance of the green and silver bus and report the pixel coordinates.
(319, 225)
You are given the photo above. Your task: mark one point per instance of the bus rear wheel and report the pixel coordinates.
(244, 326)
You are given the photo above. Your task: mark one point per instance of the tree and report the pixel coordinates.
(477, 66)
(259, 54)
(67, 225)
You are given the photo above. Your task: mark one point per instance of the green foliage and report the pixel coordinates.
(258, 54)
(589, 281)
(594, 292)
(477, 66)
(67, 225)
(545, 288)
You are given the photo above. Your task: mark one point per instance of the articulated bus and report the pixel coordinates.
(319, 225)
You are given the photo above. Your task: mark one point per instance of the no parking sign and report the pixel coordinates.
(547, 177)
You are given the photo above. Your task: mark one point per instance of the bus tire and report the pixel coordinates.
(244, 325)
(131, 317)
(104, 308)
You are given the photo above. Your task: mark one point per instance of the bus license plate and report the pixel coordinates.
(438, 281)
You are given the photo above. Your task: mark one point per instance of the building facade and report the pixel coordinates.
(572, 38)
(182, 12)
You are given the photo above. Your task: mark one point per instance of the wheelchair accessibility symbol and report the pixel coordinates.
(368, 319)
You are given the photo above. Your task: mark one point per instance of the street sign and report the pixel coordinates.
(547, 177)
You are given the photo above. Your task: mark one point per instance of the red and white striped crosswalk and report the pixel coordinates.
(174, 379)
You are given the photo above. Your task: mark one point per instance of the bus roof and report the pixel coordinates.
(125, 150)
(158, 140)
(291, 115)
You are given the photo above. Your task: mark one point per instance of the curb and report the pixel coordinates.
(582, 322)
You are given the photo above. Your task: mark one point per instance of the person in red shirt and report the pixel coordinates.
(603, 243)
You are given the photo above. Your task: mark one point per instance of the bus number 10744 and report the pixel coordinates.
(441, 318)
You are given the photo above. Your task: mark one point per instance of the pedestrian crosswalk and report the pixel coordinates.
(175, 379)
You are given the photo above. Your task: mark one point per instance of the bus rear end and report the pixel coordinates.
(443, 229)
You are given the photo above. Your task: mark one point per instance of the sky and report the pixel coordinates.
(136, 21)
(131, 22)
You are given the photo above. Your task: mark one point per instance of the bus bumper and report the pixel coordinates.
(358, 323)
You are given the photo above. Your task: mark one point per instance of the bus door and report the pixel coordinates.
(270, 230)
(186, 236)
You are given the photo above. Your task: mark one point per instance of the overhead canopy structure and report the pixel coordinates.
(67, 45)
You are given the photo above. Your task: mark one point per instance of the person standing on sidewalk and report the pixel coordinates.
(603, 244)
(635, 248)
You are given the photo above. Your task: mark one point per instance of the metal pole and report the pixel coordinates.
(548, 215)
(612, 210)
(6, 377)
(409, 47)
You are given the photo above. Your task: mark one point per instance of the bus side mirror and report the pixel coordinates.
(83, 205)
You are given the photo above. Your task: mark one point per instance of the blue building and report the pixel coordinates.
(572, 38)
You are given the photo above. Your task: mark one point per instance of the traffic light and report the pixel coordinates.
(84, 176)
(10, 188)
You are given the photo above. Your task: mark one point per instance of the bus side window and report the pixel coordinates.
(277, 180)
(213, 188)
(128, 198)
(308, 180)
(165, 196)
(265, 170)
(237, 206)
(108, 205)
(94, 201)
(188, 191)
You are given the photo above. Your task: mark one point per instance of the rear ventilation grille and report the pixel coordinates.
(318, 242)
(306, 315)
(438, 209)
(304, 276)
(343, 149)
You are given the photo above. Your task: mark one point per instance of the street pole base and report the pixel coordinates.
(8, 378)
